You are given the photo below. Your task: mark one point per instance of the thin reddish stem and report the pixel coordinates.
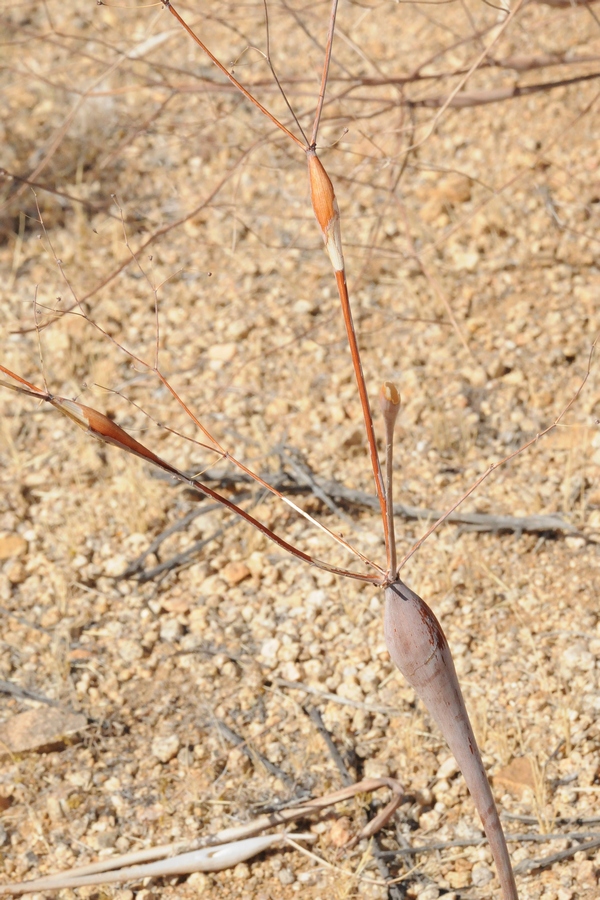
(168, 5)
(340, 278)
(107, 431)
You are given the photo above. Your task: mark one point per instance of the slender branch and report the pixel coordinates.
(327, 214)
(168, 5)
(325, 75)
(107, 431)
(275, 75)
(362, 393)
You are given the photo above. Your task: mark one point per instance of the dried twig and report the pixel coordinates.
(532, 865)
(478, 842)
(175, 858)
(332, 698)
(254, 755)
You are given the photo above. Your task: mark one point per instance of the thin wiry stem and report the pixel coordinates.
(364, 400)
(276, 77)
(107, 431)
(325, 75)
(168, 5)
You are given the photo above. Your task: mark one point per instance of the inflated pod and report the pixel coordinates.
(419, 648)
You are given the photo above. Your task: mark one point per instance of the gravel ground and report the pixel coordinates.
(473, 269)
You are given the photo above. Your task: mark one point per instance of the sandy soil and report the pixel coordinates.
(473, 268)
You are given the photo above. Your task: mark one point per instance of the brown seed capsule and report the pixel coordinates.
(389, 402)
(326, 209)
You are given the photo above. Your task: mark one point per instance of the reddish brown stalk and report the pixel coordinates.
(168, 5)
(107, 431)
(340, 278)
(327, 215)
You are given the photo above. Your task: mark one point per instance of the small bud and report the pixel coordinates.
(326, 209)
(389, 403)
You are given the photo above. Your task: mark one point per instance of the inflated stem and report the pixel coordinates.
(419, 648)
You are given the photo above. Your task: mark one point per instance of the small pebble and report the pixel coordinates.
(481, 875)
(286, 876)
(165, 748)
(241, 872)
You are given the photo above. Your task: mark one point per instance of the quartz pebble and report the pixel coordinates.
(166, 748)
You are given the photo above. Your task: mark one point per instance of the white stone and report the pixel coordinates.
(166, 748)
(448, 769)
(481, 875)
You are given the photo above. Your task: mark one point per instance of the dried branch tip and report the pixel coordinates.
(389, 403)
(326, 209)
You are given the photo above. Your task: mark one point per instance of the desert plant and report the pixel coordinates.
(414, 636)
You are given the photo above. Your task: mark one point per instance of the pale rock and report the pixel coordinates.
(269, 650)
(114, 565)
(11, 546)
(428, 821)
(340, 832)
(289, 651)
(481, 875)
(466, 261)
(166, 748)
(350, 690)
(290, 671)
(286, 876)
(429, 892)
(15, 571)
(376, 768)
(235, 572)
(316, 600)
(199, 881)
(241, 872)
(475, 375)
(448, 769)
(129, 650)
(578, 658)
(213, 585)
(256, 563)
(222, 352)
(170, 630)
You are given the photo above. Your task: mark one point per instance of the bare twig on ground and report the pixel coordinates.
(333, 698)
(534, 524)
(254, 755)
(478, 842)
(317, 720)
(532, 865)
